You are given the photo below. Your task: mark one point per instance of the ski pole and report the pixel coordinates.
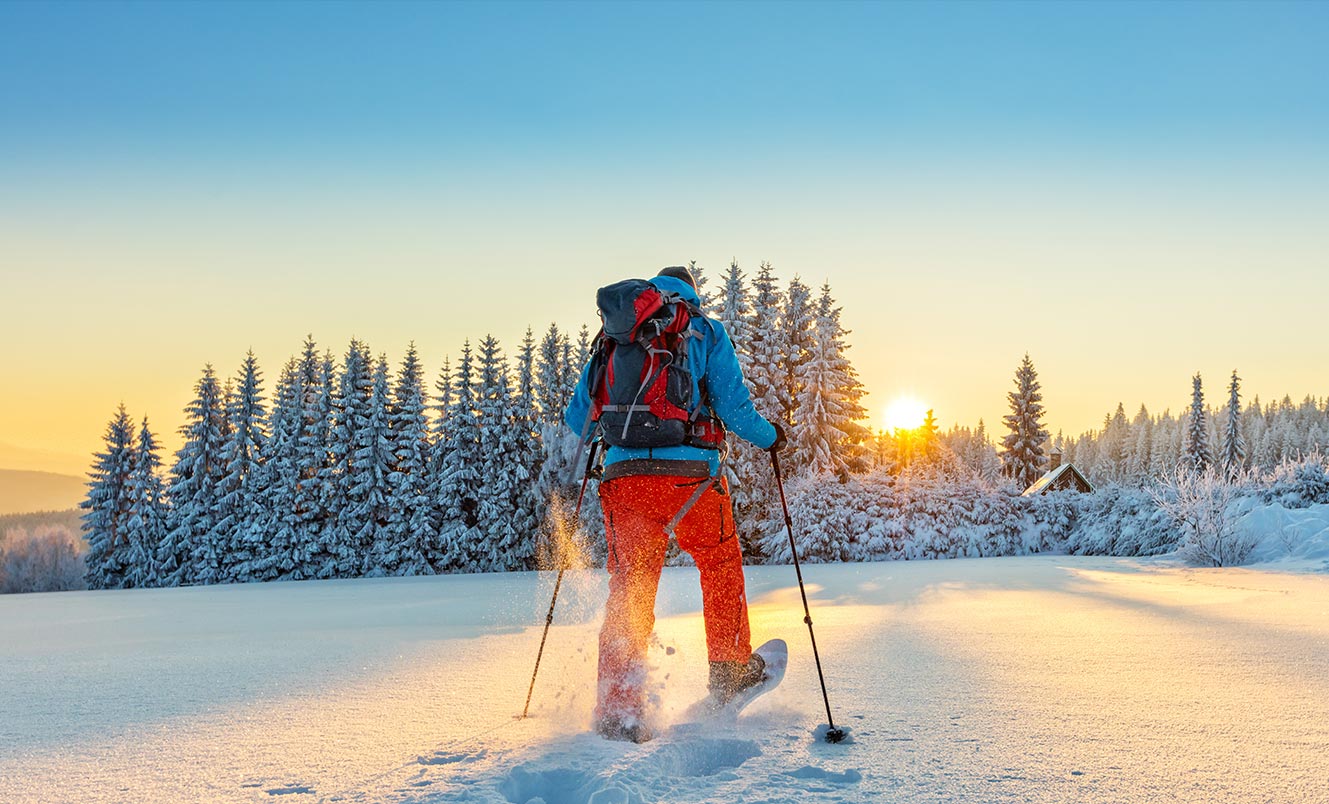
(833, 735)
(558, 581)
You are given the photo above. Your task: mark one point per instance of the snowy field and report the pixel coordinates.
(1046, 679)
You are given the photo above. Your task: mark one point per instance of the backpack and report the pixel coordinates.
(640, 382)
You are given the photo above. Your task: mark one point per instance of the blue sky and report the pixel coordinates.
(962, 173)
(688, 79)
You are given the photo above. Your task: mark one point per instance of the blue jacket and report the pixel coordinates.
(712, 357)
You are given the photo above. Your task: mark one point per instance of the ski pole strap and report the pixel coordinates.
(687, 506)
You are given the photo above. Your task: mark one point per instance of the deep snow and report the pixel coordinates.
(1043, 679)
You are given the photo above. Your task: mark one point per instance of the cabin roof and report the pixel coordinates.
(1046, 482)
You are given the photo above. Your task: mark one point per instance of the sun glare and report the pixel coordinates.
(905, 413)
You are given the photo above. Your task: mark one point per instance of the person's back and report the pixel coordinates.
(650, 493)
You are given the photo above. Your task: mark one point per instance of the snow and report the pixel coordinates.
(1288, 535)
(1030, 679)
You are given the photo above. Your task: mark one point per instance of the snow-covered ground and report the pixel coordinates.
(1045, 679)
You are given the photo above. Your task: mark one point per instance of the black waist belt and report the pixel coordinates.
(657, 466)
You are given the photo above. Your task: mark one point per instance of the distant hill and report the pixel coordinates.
(22, 491)
(70, 519)
(13, 456)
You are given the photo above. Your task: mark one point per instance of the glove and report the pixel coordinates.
(780, 440)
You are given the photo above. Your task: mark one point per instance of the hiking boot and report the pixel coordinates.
(611, 728)
(730, 678)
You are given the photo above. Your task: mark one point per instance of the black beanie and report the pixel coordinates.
(679, 272)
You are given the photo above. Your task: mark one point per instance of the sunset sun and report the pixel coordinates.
(905, 413)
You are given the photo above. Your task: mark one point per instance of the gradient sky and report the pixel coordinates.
(1129, 192)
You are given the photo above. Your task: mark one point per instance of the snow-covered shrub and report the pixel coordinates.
(880, 516)
(1120, 521)
(1049, 520)
(46, 559)
(1299, 484)
(1203, 505)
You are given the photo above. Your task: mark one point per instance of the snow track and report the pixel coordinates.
(1045, 679)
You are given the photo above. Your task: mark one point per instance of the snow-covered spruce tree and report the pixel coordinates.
(569, 368)
(1022, 448)
(561, 461)
(768, 345)
(1113, 445)
(1234, 445)
(704, 292)
(550, 388)
(359, 476)
(147, 512)
(190, 553)
(240, 501)
(529, 502)
(438, 451)
(316, 376)
(1198, 455)
(501, 545)
(754, 492)
(460, 471)
(375, 463)
(829, 438)
(409, 545)
(1163, 452)
(1137, 451)
(108, 506)
(796, 322)
(279, 550)
(735, 312)
(580, 356)
(973, 450)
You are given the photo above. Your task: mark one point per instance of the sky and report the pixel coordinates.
(1131, 193)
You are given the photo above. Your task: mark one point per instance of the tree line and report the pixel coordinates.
(352, 467)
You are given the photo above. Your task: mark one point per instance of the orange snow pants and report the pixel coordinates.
(637, 508)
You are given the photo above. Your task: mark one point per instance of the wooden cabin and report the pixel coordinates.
(1060, 477)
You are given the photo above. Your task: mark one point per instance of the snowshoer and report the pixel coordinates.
(663, 384)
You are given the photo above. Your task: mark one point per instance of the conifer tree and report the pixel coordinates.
(240, 503)
(528, 502)
(829, 438)
(374, 465)
(1022, 449)
(501, 546)
(768, 345)
(1198, 455)
(190, 553)
(147, 512)
(550, 387)
(1234, 445)
(109, 506)
(580, 357)
(1137, 453)
(1113, 445)
(312, 488)
(570, 368)
(796, 322)
(279, 549)
(754, 491)
(409, 546)
(356, 478)
(459, 473)
(704, 293)
(735, 313)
